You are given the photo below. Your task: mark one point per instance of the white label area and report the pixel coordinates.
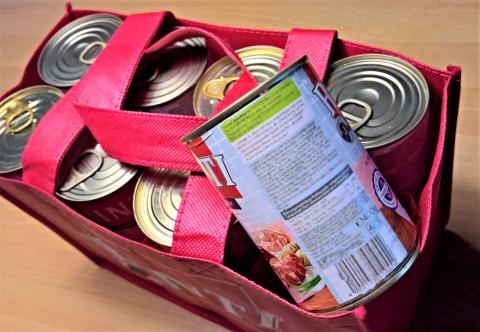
(303, 200)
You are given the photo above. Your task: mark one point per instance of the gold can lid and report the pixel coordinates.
(156, 201)
(19, 114)
(262, 61)
(165, 76)
(71, 51)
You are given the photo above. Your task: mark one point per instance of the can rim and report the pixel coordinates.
(237, 105)
(14, 95)
(143, 102)
(143, 221)
(130, 173)
(248, 51)
(60, 33)
(406, 67)
(389, 281)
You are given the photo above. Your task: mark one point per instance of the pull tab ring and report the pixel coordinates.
(89, 47)
(215, 89)
(354, 121)
(76, 177)
(11, 117)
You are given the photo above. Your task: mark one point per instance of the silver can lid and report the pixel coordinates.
(19, 113)
(382, 97)
(156, 201)
(262, 61)
(69, 53)
(95, 175)
(168, 74)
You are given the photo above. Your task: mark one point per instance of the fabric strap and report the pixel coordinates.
(316, 44)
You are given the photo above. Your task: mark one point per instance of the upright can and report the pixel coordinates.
(101, 188)
(385, 100)
(20, 112)
(306, 191)
(69, 53)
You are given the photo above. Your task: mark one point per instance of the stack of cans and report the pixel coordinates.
(383, 99)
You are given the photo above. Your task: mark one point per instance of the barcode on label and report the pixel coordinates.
(366, 266)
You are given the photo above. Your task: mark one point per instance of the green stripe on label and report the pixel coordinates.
(261, 110)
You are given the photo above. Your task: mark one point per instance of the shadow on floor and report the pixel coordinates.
(451, 298)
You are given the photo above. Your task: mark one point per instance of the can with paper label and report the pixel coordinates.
(301, 184)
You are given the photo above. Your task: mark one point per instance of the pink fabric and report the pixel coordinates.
(145, 139)
(198, 283)
(48, 144)
(316, 44)
(202, 223)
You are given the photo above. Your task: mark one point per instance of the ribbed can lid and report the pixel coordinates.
(262, 61)
(156, 201)
(95, 175)
(382, 96)
(168, 74)
(19, 113)
(69, 53)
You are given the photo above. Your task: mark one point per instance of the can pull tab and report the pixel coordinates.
(84, 168)
(88, 48)
(355, 121)
(19, 120)
(215, 89)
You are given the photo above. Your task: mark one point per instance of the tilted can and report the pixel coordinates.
(309, 195)
(20, 112)
(101, 188)
(385, 99)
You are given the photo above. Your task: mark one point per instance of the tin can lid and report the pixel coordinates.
(396, 92)
(95, 175)
(262, 61)
(69, 53)
(156, 201)
(19, 113)
(168, 74)
(244, 100)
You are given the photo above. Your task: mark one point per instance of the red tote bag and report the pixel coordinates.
(193, 274)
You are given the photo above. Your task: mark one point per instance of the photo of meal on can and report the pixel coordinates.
(300, 182)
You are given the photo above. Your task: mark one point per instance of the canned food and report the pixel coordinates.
(101, 188)
(166, 79)
(385, 100)
(262, 61)
(156, 201)
(69, 53)
(306, 191)
(19, 113)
